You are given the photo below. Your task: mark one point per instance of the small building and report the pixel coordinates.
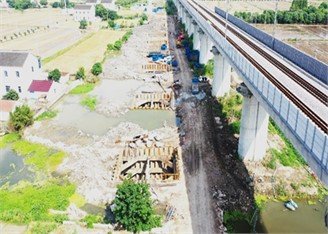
(92, 2)
(64, 78)
(17, 70)
(40, 88)
(109, 4)
(85, 12)
(6, 106)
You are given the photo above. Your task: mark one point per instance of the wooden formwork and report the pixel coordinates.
(138, 155)
(155, 67)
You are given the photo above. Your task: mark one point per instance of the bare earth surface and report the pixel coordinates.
(61, 30)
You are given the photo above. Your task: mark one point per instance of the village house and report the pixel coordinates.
(85, 12)
(17, 70)
(44, 89)
(109, 4)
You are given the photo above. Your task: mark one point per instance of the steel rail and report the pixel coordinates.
(301, 105)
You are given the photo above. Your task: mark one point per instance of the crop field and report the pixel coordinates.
(86, 53)
(53, 31)
(255, 5)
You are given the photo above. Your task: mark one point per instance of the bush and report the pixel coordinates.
(20, 118)
(90, 102)
(11, 95)
(55, 4)
(80, 74)
(96, 69)
(54, 75)
(117, 45)
(83, 24)
(235, 127)
(91, 219)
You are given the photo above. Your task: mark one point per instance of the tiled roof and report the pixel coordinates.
(106, 1)
(91, 1)
(12, 59)
(7, 105)
(40, 85)
(82, 7)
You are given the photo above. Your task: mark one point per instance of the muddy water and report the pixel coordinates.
(12, 168)
(72, 114)
(275, 218)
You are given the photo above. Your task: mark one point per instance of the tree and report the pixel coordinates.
(112, 15)
(11, 95)
(44, 3)
(55, 4)
(101, 11)
(83, 24)
(20, 118)
(96, 69)
(298, 5)
(80, 74)
(20, 4)
(54, 75)
(133, 207)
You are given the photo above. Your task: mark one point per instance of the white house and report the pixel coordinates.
(17, 70)
(109, 4)
(85, 12)
(92, 2)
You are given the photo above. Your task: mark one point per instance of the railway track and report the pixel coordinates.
(322, 97)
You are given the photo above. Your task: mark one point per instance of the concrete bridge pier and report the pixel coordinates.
(184, 12)
(191, 26)
(204, 50)
(253, 128)
(210, 44)
(196, 39)
(179, 7)
(187, 25)
(221, 74)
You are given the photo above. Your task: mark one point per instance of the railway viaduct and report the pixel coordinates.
(278, 81)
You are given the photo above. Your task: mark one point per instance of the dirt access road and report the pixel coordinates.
(216, 180)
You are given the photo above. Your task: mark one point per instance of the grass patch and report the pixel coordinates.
(90, 102)
(77, 199)
(32, 203)
(231, 106)
(9, 138)
(260, 201)
(83, 88)
(234, 127)
(272, 163)
(47, 115)
(61, 52)
(288, 156)
(91, 219)
(42, 227)
(38, 155)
